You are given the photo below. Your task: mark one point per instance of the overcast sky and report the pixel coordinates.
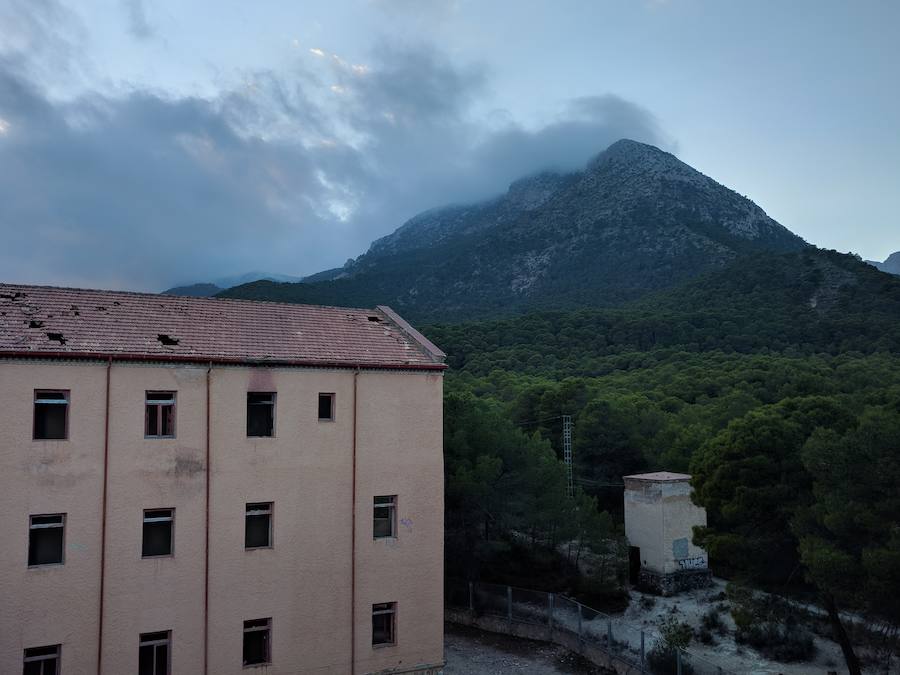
(145, 143)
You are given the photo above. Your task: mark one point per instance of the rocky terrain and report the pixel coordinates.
(635, 220)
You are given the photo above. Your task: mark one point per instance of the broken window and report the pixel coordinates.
(257, 648)
(326, 407)
(383, 624)
(385, 512)
(157, 537)
(42, 660)
(260, 414)
(153, 653)
(51, 415)
(159, 414)
(258, 527)
(45, 539)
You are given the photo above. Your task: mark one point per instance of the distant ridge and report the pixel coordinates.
(891, 265)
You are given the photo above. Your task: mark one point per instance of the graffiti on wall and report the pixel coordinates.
(693, 563)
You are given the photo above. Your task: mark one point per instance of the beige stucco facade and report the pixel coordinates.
(324, 571)
(659, 520)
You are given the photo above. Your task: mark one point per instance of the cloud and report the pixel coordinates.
(138, 25)
(144, 190)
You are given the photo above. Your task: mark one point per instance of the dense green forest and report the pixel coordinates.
(788, 420)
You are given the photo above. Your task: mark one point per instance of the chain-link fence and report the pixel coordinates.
(557, 618)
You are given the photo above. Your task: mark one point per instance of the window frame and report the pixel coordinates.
(34, 658)
(159, 405)
(382, 609)
(333, 399)
(159, 519)
(273, 404)
(392, 509)
(46, 526)
(145, 640)
(268, 643)
(268, 510)
(66, 401)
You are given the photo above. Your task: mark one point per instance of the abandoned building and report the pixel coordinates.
(659, 522)
(196, 485)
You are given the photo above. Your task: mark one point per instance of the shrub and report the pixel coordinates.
(786, 642)
(712, 622)
(663, 658)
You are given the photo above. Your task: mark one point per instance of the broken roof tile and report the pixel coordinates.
(146, 325)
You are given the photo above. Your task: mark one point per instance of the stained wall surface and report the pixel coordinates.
(659, 518)
(304, 583)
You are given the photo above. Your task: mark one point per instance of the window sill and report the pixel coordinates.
(46, 566)
(251, 666)
(157, 557)
(44, 440)
(259, 548)
(159, 438)
(385, 645)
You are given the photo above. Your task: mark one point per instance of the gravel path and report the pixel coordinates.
(473, 652)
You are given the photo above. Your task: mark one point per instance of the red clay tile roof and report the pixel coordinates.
(68, 322)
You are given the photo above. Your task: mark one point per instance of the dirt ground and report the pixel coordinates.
(690, 607)
(473, 652)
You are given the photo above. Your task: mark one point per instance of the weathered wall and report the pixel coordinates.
(303, 583)
(56, 604)
(659, 518)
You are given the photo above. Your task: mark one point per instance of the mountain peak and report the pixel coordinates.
(636, 220)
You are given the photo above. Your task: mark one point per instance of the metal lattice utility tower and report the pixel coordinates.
(567, 454)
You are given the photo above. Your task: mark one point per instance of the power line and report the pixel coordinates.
(545, 419)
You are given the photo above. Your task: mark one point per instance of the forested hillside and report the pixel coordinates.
(775, 382)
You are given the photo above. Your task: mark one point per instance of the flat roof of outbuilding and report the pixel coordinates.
(52, 322)
(659, 476)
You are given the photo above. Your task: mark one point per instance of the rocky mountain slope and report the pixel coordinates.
(635, 220)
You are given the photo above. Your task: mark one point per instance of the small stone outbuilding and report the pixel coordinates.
(659, 522)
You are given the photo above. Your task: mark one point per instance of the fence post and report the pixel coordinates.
(550, 615)
(580, 646)
(509, 606)
(642, 653)
(678, 661)
(609, 641)
(471, 596)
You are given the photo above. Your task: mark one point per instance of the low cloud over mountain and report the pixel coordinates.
(293, 171)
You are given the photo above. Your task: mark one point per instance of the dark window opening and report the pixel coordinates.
(56, 337)
(374, 319)
(261, 414)
(153, 654)
(167, 340)
(258, 527)
(257, 634)
(385, 517)
(383, 615)
(51, 415)
(326, 407)
(42, 660)
(157, 536)
(35, 324)
(45, 539)
(159, 415)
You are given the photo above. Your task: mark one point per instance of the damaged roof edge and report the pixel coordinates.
(432, 349)
(201, 360)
